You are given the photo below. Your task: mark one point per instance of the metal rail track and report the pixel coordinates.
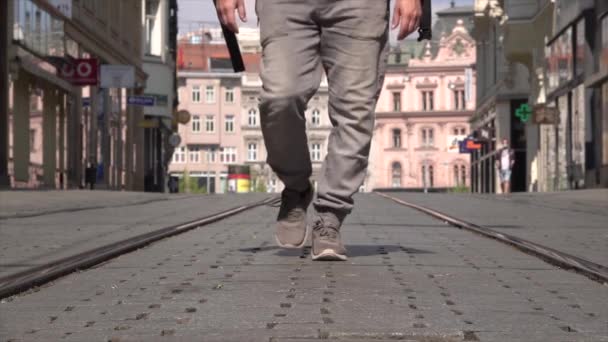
(39, 275)
(555, 257)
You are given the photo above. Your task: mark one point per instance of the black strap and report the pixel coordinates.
(233, 48)
(425, 21)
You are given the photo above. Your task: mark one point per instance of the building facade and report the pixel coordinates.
(424, 110)
(56, 125)
(224, 127)
(540, 85)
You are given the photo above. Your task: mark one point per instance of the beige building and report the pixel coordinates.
(58, 126)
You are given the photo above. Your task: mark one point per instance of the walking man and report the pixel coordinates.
(504, 164)
(348, 40)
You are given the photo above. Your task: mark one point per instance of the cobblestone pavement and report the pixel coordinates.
(573, 222)
(409, 277)
(30, 241)
(33, 203)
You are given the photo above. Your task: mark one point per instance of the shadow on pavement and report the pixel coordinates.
(353, 250)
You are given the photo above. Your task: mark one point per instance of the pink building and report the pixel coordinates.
(424, 110)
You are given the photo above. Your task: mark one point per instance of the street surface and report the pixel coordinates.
(409, 277)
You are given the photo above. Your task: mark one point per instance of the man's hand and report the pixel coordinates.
(225, 12)
(406, 16)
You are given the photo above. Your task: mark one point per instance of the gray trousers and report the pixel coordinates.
(300, 39)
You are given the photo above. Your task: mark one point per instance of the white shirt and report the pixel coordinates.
(505, 160)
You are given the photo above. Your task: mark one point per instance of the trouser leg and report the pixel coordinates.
(291, 74)
(353, 48)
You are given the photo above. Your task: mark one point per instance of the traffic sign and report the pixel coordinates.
(80, 71)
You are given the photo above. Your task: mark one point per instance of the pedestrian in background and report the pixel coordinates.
(301, 39)
(504, 165)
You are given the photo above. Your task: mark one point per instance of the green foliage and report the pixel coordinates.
(188, 184)
(260, 186)
(460, 189)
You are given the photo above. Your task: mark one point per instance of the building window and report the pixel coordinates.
(460, 175)
(579, 61)
(209, 124)
(152, 28)
(459, 131)
(252, 117)
(196, 94)
(428, 137)
(32, 140)
(210, 94)
(211, 154)
(427, 175)
(194, 153)
(315, 152)
(396, 138)
(396, 101)
(179, 156)
(228, 155)
(272, 185)
(315, 117)
(229, 95)
(196, 124)
(229, 123)
(396, 175)
(459, 100)
(252, 152)
(427, 101)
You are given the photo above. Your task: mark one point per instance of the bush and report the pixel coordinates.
(460, 189)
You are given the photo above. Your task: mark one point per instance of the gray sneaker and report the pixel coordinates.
(292, 231)
(326, 242)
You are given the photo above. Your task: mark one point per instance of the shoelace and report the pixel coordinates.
(325, 230)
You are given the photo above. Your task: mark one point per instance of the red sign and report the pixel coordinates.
(472, 145)
(81, 71)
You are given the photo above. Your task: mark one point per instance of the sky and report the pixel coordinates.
(193, 13)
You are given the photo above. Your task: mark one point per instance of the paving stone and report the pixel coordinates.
(409, 277)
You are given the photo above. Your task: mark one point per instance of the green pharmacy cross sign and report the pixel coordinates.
(523, 112)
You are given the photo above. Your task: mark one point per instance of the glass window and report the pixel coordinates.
(229, 95)
(196, 94)
(210, 94)
(229, 123)
(396, 138)
(315, 152)
(560, 60)
(396, 175)
(252, 152)
(397, 101)
(196, 123)
(315, 117)
(211, 155)
(427, 101)
(580, 47)
(428, 137)
(252, 117)
(427, 175)
(152, 28)
(209, 123)
(194, 152)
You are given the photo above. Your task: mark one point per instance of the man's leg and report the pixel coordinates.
(352, 49)
(353, 41)
(291, 73)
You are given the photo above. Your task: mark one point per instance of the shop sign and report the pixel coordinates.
(80, 71)
(148, 123)
(454, 143)
(117, 76)
(469, 145)
(544, 115)
(523, 112)
(138, 100)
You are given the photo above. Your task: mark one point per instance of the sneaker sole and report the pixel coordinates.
(290, 246)
(329, 255)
